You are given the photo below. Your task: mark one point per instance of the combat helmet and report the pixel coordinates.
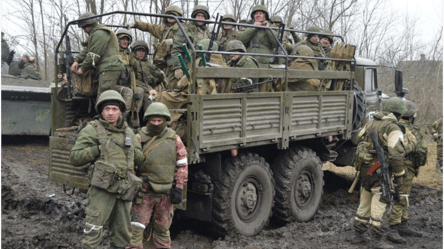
(229, 17)
(110, 96)
(200, 9)
(262, 8)
(276, 19)
(124, 33)
(174, 10)
(89, 22)
(304, 50)
(205, 43)
(157, 109)
(395, 105)
(235, 45)
(312, 28)
(327, 31)
(412, 109)
(140, 45)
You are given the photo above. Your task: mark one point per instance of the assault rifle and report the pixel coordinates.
(251, 87)
(213, 36)
(387, 188)
(69, 60)
(280, 38)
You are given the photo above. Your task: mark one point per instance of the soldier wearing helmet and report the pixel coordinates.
(113, 149)
(327, 41)
(165, 173)
(29, 70)
(128, 77)
(415, 157)
(102, 54)
(373, 206)
(436, 131)
(258, 40)
(312, 41)
(228, 33)
(242, 61)
(304, 64)
(199, 30)
(276, 21)
(241, 28)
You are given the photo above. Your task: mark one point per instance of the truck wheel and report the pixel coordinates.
(299, 180)
(359, 107)
(243, 199)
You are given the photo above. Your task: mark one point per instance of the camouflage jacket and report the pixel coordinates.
(101, 51)
(149, 76)
(391, 139)
(131, 65)
(410, 143)
(437, 127)
(30, 71)
(304, 84)
(225, 37)
(259, 41)
(317, 48)
(243, 62)
(198, 33)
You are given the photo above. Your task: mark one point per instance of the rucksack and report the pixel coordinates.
(419, 154)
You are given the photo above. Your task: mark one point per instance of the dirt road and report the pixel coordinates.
(38, 214)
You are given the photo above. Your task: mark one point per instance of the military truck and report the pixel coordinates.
(251, 155)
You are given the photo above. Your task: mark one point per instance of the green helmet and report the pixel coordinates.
(205, 43)
(89, 22)
(140, 45)
(327, 31)
(110, 96)
(174, 10)
(157, 109)
(200, 9)
(228, 17)
(412, 109)
(276, 19)
(124, 33)
(235, 45)
(313, 28)
(304, 50)
(395, 105)
(262, 8)
(243, 21)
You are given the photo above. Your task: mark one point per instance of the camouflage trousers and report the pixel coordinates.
(398, 213)
(101, 208)
(370, 211)
(108, 81)
(161, 209)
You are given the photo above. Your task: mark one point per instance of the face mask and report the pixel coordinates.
(156, 129)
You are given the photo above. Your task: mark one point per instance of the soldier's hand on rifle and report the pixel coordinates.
(75, 67)
(130, 25)
(178, 73)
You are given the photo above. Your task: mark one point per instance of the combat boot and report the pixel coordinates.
(378, 243)
(405, 230)
(394, 236)
(358, 238)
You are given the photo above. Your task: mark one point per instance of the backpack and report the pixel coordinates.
(419, 154)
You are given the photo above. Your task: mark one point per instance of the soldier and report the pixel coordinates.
(243, 61)
(102, 54)
(169, 46)
(7, 55)
(29, 70)
(304, 64)
(398, 217)
(437, 135)
(128, 77)
(228, 33)
(372, 206)
(327, 41)
(312, 41)
(113, 150)
(165, 173)
(241, 28)
(259, 40)
(199, 30)
(286, 42)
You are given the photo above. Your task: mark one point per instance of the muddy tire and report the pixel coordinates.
(359, 107)
(243, 199)
(299, 181)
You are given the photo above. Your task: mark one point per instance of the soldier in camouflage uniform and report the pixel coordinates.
(165, 173)
(7, 55)
(102, 54)
(327, 41)
(398, 216)
(108, 141)
(437, 135)
(276, 21)
(259, 40)
(304, 64)
(372, 207)
(128, 77)
(228, 33)
(312, 41)
(199, 30)
(241, 28)
(243, 61)
(29, 70)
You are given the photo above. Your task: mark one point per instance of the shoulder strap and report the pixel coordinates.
(102, 138)
(147, 148)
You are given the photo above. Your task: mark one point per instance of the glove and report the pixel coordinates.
(130, 25)
(178, 73)
(176, 196)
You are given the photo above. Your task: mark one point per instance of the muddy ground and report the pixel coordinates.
(38, 214)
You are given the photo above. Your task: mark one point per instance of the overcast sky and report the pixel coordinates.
(428, 12)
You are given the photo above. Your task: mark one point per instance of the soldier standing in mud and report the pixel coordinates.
(398, 217)
(165, 173)
(437, 135)
(372, 207)
(113, 149)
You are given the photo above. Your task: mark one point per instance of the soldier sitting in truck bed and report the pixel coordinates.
(304, 64)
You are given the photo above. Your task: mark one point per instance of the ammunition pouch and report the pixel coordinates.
(162, 51)
(134, 183)
(84, 85)
(103, 175)
(363, 155)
